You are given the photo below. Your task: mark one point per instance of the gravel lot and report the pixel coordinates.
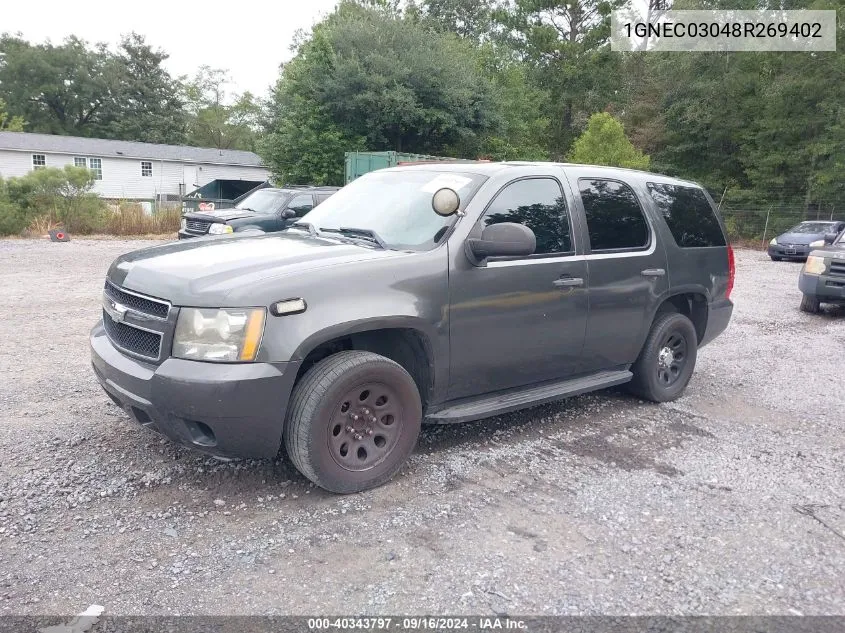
(728, 501)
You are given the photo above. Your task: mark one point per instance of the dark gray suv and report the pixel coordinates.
(431, 293)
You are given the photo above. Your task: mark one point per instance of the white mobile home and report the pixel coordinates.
(126, 170)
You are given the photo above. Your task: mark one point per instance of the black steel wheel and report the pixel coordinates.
(667, 360)
(352, 422)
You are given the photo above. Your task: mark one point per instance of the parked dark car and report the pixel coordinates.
(822, 279)
(438, 293)
(268, 210)
(798, 241)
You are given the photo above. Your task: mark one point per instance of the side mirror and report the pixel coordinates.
(506, 239)
(829, 238)
(287, 214)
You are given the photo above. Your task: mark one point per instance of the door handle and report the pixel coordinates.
(568, 282)
(654, 272)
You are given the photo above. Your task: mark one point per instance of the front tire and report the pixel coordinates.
(353, 421)
(667, 360)
(810, 304)
(776, 259)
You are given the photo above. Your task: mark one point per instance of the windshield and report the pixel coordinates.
(395, 205)
(263, 201)
(812, 227)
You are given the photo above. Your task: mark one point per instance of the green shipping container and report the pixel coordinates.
(360, 163)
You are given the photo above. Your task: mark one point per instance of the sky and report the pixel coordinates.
(250, 38)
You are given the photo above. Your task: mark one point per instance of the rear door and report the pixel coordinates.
(626, 265)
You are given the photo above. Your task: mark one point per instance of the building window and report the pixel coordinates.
(96, 165)
(146, 168)
(39, 161)
(80, 162)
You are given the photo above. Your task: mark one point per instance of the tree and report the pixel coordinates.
(566, 46)
(218, 119)
(467, 18)
(9, 123)
(604, 143)
(80, 90)
(147, 105)
(371, 78)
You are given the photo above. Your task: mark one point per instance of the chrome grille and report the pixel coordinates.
(132, 339)
(837, 267)
(197, 226)
(146, 305)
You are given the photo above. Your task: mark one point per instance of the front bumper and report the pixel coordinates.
(789, 250)
(229, 410)
(826, 288)
(718, 318)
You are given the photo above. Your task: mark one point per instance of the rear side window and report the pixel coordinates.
(615, 220)
(688, 214)
(538, 204)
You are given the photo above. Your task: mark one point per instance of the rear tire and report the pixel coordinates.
(353, 421)
(667, 360)
(810, 304)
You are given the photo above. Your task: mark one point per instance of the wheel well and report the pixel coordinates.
(692, 305)
(405, 346)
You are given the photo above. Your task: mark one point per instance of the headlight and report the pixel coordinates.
(226, 335)
(814, 265)
(184, 224)
(817, 244)
(774, 242)
(219, 229)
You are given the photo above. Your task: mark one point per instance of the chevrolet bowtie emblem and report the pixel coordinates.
(115, 310)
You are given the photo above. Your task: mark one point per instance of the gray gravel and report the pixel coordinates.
(728, 501)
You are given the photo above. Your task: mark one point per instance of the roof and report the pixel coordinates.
(485, 168)
(76, 145)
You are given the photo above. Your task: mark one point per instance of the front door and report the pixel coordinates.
(190, 179)
(517, 321)
(627, 269)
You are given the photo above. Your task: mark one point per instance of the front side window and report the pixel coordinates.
(146, 169)
(80, 161)
(39, 161)
(96, 165)
(301, 205)
(615, 220)
(396, 205)
(537, 203)
(688, 215)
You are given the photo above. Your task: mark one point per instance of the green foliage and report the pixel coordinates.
(216, 119)
(59, 196)
(604, 143)
(10, 123)
(371, 78)
(76, 89)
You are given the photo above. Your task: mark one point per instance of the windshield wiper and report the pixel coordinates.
(366, 234)
(246, 209)
(304, 225)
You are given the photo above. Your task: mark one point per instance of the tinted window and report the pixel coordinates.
(614, 217)
(301, 205)
(688, 214)
(263, 201)
(538, 204)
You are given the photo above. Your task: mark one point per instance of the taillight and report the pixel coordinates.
(731, 272)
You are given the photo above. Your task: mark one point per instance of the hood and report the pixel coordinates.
(799, 238)
(203, 271)
(220, 215)
(834, 251)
